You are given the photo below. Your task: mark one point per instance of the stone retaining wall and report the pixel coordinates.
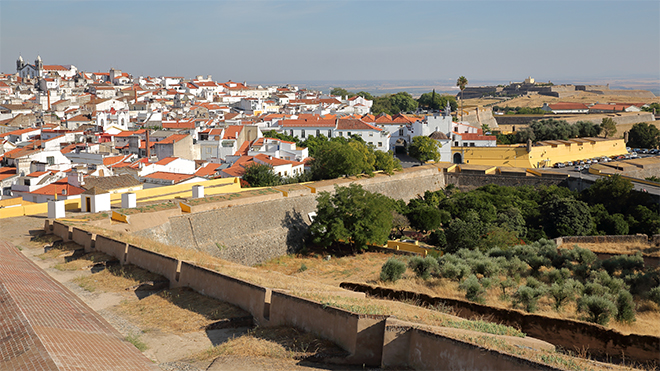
(568, 334)
(364, 337)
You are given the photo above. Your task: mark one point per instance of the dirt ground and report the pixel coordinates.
(538, 100)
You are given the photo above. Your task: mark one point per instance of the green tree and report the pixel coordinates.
(260, 175)
(609, 126)
(437, 101)
(425, 218)
(462, 83)
(335, 158)
(643, 135)
(365, 95)
(567, 217)
(386, 162)
(353, 216)
(425, 149)
(341, 92)
(653, 107)
(403, 102)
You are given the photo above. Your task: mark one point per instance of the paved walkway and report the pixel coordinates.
(44, 326)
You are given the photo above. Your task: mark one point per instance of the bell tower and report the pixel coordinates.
(20, 63)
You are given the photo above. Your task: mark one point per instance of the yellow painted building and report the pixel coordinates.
(541, 154)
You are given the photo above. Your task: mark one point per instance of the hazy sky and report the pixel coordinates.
(339, 40)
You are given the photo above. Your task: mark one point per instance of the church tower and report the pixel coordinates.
(20, 63)
(38, 64)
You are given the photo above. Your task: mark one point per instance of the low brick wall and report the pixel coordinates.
(82, 238)
(568, 334)
(247, 296)
(406, 346)
(62, 230)
(360, 335)
(111, 247)
(153, 262)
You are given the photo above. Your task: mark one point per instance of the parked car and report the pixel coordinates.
(578, 168)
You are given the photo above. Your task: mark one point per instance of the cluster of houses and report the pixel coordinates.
(65, 132)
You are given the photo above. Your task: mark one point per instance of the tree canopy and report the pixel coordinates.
(643, 135)
(260, 175)
(394, 103)
(425, 149)
(609, 126)
(353, 216)
(341, 92)
(435, 101)
(551, 129)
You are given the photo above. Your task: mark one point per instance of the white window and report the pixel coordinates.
(329, 133)
(302, 133)
(380, 144)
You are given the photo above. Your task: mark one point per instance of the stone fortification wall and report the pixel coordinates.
(363, 337)
(252, 233)
(468, 182)
(154, 262)
(567, 334)
(405, 343)
(247, 296)
(479, 116)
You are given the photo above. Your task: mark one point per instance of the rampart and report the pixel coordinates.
(363, 337)
(250, 232)
(568, 334)
(406, 345)
(472, 181)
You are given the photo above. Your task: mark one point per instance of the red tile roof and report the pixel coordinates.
(568, 106)
(57, 188)
(232, 132)
(176, 177)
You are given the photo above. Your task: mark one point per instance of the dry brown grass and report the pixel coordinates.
(274, 342)
(178, 310)
(117, 279)
(366, 268)
(84, 262)
(59, 250)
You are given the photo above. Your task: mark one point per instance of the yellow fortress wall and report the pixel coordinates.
(542, 154)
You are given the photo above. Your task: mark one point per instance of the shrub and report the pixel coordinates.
(625, 307)
(423, 267)
(529, 296)
(505, 284)
(473, 289)
(654, 295)
(486, 267)
(562, 292)
(392, 270)
(598, 309)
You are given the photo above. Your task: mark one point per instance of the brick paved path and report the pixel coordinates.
(44, 326)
